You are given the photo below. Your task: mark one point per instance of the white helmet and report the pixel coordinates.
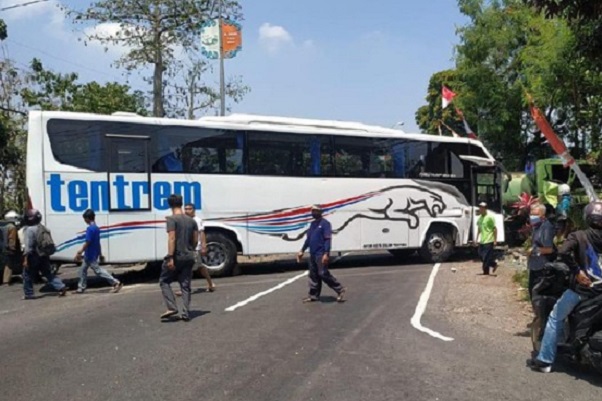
(564, 189)
(12, 215)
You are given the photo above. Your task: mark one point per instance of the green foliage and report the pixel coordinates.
(49, 90)
(509, 49)
(12, 138)
(3, 30)
(155, 32)
(521, 277)
(429, 117)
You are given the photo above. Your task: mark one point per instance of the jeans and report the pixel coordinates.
(554, 328)
(42, 264)
(83, 274)
(487, 257)
(319, 272)
(183, 274)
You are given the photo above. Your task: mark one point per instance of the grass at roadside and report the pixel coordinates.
(522, 278)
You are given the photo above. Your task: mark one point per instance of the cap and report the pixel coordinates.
(483, 204)
(316, 207)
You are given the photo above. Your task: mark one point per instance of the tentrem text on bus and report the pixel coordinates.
(253, 180)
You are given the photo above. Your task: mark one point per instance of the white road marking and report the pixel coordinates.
(261, 294)
(421, 307)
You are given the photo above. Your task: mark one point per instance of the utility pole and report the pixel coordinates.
(222, 84)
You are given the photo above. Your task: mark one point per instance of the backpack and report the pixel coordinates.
(45, 245)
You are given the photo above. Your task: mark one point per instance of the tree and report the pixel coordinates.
(432, 117)
(49, 90)
(154, 31)
(12, 138)
(3, 30)
(194, 95)
(509, 49)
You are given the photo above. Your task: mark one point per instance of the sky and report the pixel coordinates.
(346, 60)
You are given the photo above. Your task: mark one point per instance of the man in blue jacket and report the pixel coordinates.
(319, 238)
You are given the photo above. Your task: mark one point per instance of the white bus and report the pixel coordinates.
(253, 180)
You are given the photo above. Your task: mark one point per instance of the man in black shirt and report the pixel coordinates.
(181, 243)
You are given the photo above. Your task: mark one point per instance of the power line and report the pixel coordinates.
(62, 59)
(29, 3)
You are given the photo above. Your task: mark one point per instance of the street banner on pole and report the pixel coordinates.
(230, 39)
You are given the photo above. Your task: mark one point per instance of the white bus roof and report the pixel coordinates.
(260, 122)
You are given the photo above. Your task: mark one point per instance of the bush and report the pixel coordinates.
(521, 278)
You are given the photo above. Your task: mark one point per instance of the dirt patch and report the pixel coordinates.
(486, 304)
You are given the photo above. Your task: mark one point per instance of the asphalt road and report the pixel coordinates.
(103, 346)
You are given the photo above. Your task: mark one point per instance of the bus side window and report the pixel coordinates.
(398, 154)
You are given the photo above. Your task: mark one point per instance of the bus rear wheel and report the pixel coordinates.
(221, 255)
(438, 245)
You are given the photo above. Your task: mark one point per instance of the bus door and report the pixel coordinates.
(130, 206)
(487, 187)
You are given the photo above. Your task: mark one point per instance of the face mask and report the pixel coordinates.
(535, 220)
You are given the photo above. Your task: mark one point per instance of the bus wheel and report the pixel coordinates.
(221, 255)
(438, 245)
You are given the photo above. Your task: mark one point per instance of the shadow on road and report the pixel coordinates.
(247, 268)
(580, 372)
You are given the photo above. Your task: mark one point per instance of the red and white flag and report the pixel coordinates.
(469, 132)
(447, 96)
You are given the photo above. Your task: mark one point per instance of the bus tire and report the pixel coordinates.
(221, 254)
(438, 244)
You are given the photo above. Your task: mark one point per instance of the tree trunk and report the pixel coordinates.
(158, 109)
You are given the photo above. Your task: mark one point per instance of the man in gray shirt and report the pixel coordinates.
(33, 261)
(182, 240)
(542, 248)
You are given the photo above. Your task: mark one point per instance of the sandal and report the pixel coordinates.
(169, 314)
(308, 300)
(341, 297)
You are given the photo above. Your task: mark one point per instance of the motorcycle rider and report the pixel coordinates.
(581, 253)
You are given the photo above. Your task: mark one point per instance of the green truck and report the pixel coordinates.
(543, 183)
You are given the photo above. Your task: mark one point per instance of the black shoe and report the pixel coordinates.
(539, 366)
(185, 318)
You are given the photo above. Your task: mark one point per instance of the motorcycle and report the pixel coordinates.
(581, 338)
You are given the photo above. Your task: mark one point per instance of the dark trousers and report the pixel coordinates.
(318, 273)
(12, 265)
(487, 256)
(183, 275)
(534, 276)
(42, 264)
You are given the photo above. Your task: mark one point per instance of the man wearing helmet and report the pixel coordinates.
(581, 252)
(33, 262)
(11, 246)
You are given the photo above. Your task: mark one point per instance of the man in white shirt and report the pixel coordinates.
(201, 249)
